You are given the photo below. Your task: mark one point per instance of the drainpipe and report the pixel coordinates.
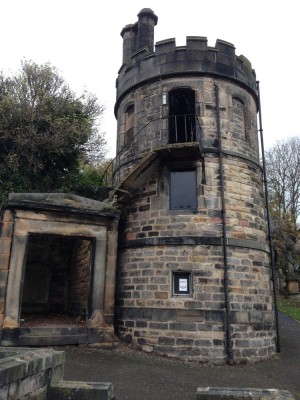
(2, 209)
(268, 222)
(224, 233)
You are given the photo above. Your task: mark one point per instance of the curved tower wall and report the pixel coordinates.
(171, 297)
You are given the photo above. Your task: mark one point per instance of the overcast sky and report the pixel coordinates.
(81, 38)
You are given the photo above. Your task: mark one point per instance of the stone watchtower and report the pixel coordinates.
(193, 260)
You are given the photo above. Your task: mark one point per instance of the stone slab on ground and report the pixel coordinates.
(81, 391)
(225, 393)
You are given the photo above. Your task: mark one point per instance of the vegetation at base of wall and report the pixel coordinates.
(290, 306)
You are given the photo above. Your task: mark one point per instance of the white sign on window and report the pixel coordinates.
(183, 285)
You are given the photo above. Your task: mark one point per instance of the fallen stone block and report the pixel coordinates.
(217, 393)
(81, 391)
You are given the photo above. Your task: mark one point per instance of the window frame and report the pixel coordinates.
(174, 189)
(129, 123)
(176, 276)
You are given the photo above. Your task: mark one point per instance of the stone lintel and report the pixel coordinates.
(65, 202)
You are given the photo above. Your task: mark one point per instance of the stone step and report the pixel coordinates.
(41, 331)
(53, 340)
(50, 336)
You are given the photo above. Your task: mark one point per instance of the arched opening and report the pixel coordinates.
(182, 126)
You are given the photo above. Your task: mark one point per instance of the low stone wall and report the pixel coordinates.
(26, 373)
(37, 374)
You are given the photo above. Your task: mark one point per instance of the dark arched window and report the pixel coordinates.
(182, 116)
(129, 116)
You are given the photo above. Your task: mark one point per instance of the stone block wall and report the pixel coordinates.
(26, 374)
(151, 120)
(195, 118)
(79, 277)
(37, 374)
(62, 225)
(156, 242)
(192, 326)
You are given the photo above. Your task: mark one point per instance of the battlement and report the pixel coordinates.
(141, 62)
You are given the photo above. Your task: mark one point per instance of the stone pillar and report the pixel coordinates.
(146, 22)
(5, 246)
(14, 286)
(128, 34)
(99, 280)
(110, 282)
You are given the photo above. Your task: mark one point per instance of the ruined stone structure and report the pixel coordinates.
(193, 260)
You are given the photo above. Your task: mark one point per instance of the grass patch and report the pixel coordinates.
(290, 306)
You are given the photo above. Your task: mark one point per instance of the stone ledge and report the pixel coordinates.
(36, 374)
(15, 365)
(81, 391)
(216, 393)
(191, 241)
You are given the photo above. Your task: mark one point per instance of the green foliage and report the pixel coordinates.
(290, 306)
(87, 181)
(46, 132)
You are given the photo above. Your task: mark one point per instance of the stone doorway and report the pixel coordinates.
(58, 261)
(56, 282)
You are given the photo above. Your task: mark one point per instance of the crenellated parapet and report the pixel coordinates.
(141, 63)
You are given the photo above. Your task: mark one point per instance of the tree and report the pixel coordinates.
(89, 181)
(283, 174)
(283, 170)
(46, 131)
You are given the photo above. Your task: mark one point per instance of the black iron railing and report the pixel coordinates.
(181, 129)
(184, 128)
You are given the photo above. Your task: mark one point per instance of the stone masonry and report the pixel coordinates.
(68, 246)
(201, 318)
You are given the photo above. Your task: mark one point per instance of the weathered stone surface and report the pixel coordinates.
(61, 239)
(157, 242)
(81, 391)
(241, 393)
(37, 375)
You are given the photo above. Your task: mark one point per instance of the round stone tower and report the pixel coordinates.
(193, 259)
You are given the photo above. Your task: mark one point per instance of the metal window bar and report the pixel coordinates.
(190, 125)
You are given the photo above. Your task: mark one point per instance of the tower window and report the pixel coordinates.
(238, 113)
(183, 190)
(181, 283)
(182, 127)
(129, 119)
